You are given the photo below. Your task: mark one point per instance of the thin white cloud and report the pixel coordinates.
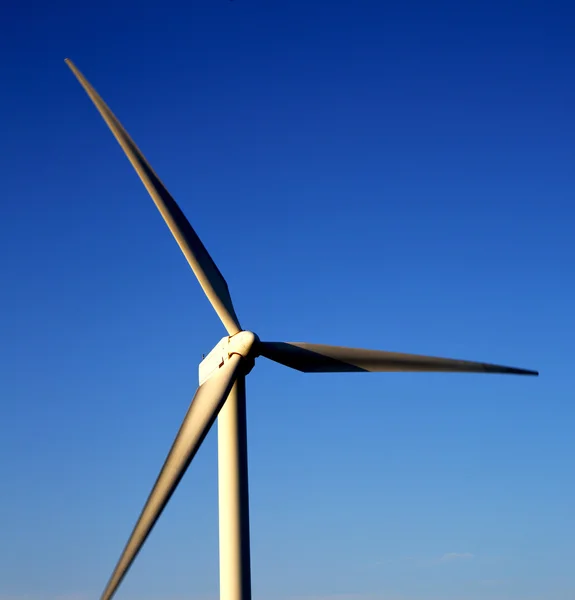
(351, 597)
(451, 556)
(492, 582)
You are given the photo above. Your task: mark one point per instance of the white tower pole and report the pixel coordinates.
(235, 577)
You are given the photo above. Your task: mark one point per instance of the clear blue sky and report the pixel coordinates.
(386, 175)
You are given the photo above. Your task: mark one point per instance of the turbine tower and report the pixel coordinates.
(222, 393)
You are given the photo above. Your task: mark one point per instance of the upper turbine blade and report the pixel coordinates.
(204, 409)
(318, 358)
(208, 274)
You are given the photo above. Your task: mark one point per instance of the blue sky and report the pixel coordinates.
(385, 175)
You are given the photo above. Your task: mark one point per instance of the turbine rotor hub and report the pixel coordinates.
(243, 343)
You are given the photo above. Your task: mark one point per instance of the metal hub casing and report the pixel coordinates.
(242, 343)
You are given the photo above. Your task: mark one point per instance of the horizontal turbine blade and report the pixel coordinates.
(204, 409)
(318, 358)
(208, 274)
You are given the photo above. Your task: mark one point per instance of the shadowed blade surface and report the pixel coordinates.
(318, 358)
(205, 406)
(208, 274)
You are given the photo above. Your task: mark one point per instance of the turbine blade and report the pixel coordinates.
(208, 274)
(318, 358)
(204, 409)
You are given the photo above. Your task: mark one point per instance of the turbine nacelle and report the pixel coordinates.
(243, 343)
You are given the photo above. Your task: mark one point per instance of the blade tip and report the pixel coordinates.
(525, 372)
(71, 65)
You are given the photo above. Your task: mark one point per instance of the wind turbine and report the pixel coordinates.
(221, 393)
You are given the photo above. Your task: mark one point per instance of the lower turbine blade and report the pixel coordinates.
(318, 358)
(204, 409)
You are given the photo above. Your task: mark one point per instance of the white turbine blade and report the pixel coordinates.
(208, 274)
(204, 409)
(318, 358)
